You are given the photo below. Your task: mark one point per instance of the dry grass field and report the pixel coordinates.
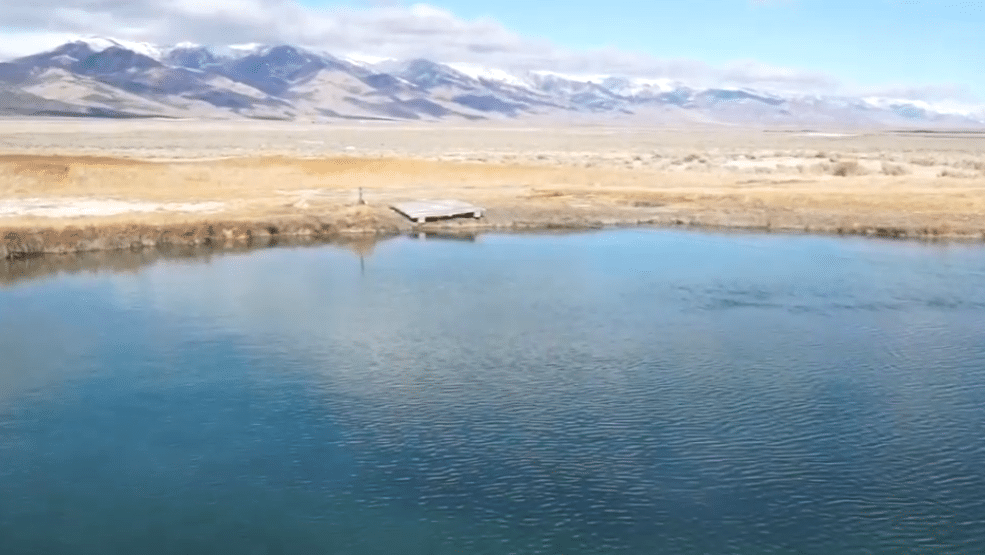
(77, 185)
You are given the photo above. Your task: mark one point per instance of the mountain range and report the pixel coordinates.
(110, 78)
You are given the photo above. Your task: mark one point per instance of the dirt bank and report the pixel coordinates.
(378, 221)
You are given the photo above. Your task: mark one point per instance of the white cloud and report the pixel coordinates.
(383, 29)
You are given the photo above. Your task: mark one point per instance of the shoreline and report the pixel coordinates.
(116, 255)
(25, 242)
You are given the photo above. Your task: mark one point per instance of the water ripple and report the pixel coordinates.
(661, 395)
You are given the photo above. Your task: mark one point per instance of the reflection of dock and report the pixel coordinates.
(448, 235)
(421, 211)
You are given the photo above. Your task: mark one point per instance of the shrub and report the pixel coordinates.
(894, 169)
(845, 168)
(970, 165)
(953, 173)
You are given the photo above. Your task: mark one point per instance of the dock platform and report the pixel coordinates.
(421, 211)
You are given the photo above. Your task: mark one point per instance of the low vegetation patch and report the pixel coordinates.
(846, 168)
(894, 169)
(955, 173)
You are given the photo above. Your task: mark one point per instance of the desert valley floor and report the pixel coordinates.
(73, 185)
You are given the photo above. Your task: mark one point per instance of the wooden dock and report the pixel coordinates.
(421, 211)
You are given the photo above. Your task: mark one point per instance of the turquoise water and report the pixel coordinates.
(639, 392)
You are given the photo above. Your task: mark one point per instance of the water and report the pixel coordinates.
(637, 392)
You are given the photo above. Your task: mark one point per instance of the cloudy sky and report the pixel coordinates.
(927, 49)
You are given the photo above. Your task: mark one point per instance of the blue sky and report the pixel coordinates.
(864, 42)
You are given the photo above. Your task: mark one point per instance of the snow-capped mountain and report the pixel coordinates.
(99, 44)
(106, 77)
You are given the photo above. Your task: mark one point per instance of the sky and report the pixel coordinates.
(874, 42)
(920, 49)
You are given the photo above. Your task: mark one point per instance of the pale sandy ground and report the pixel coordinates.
(68, 185)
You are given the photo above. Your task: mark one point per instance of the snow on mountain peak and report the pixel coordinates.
(99, 44)
(952, 108)
(366, 59)
(661, 85)
(247, 47)
(482, 73)
(594, 79)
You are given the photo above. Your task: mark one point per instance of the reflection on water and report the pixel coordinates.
(617, 392)
(36, 267)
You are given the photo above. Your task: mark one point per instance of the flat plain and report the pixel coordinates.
(75, 184)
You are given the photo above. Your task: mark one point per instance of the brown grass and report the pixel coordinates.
(281, 186)
(529, 178)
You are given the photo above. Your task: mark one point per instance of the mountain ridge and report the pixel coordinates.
(105, 77)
